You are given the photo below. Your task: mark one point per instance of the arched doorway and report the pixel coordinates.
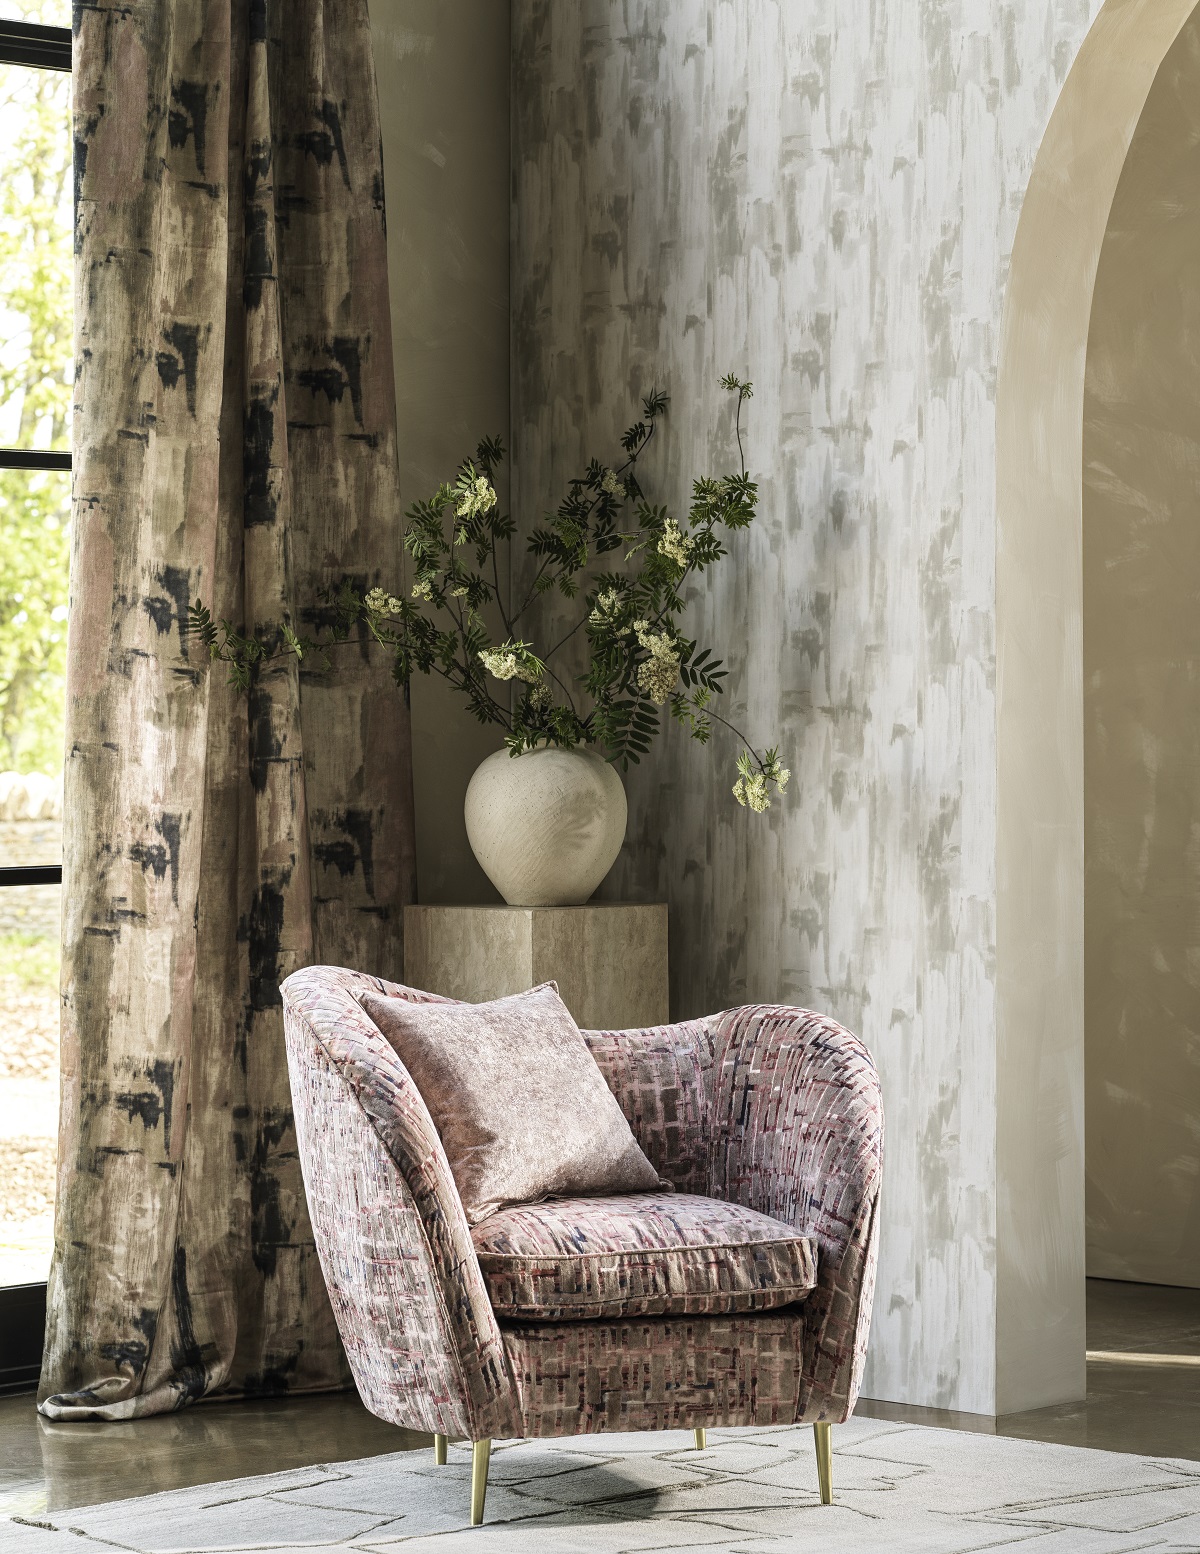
(1039, 648)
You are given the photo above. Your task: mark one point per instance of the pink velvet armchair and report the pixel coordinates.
(771, 1108)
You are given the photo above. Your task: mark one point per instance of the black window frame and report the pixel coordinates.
(23, 1306)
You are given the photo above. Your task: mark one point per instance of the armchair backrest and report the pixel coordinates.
(664, 1081)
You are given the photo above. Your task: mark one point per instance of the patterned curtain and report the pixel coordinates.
(234, 441)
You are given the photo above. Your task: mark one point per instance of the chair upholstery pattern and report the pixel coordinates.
(664, 1082)
(669, 1373)
(639, 1254)
(800, 1117)
(773, 1108)
(424, 1346)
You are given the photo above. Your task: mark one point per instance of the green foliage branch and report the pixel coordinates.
(623, 558)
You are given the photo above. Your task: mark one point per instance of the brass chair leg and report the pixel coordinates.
(481, 1455)
(701, 1440)
(824, 1462)
(439, 1450)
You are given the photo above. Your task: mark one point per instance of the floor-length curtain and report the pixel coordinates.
(235, 442)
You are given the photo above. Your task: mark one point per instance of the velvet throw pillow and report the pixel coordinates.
(522, 1108)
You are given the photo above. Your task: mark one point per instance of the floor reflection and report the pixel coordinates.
(1143, 1380)
(51, 1466)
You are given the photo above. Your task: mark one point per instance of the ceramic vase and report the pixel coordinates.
(545, 825)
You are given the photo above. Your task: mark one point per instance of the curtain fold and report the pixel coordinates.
(235, 441)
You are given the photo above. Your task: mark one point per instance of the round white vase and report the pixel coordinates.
(546, 825)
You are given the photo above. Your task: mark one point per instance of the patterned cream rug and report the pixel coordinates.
(898, 1488)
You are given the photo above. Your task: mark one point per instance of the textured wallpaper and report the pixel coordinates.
(821, 197)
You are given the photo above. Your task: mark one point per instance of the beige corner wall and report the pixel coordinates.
(443, 73)
(1141, 650)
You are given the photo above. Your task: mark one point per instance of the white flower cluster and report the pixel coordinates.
(380, 602)
(775, 773)
(606, 607)
(540, 697)
(477, 497)
(503, 664)
(423, 589)
(675, 544)
(611, 486)
(751, 790)
(657, 675)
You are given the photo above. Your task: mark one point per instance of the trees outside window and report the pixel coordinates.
(35, 398)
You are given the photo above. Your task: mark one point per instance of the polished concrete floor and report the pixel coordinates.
(1143, 1396)
(45, 1466)
(1143, 1379)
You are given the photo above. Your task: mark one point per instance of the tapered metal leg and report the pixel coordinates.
(701, 1439)
(439, 1450)
(481, 1455)
(824, 1461)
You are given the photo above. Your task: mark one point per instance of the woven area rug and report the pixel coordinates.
(898, 1488)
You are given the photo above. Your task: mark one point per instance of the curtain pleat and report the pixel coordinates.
(235, 441)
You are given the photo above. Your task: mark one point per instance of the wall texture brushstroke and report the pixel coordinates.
(823, 197)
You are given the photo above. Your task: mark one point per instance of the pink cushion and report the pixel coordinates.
(640, 1254)
(518, 1100)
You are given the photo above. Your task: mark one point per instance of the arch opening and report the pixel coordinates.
(1141, 700)
(1040, 800)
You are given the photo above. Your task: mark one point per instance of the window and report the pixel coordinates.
(35, 462)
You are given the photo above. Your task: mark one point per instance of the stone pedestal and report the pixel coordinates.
(609, 960)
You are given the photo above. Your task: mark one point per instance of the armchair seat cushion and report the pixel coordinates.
(640, 1254)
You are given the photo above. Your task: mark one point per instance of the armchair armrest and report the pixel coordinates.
(798, 1125)
(393, 1240)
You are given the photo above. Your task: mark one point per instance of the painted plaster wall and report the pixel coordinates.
(443, 73)
(1141, 570)
(822, 197)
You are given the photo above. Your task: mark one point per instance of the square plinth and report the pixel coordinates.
(609, 959)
